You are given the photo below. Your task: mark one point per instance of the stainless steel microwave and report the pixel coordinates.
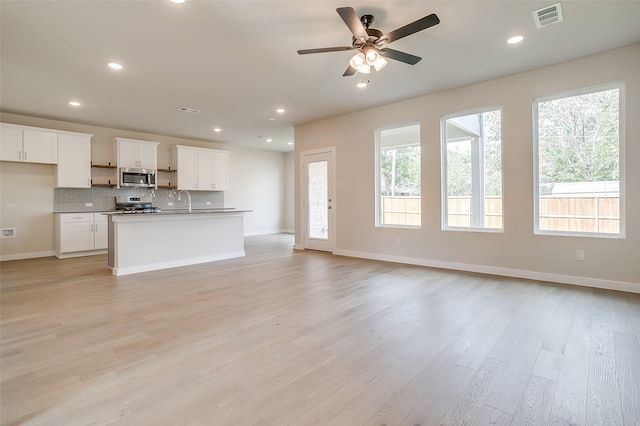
(145, 178)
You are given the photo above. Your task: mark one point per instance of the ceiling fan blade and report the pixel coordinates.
(349, 72)
(414, 27)
(350, 18)
(397, 55)
(325, 49)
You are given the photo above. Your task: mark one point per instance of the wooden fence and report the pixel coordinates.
(578, 214)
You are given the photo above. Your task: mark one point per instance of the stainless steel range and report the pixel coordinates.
(131, 204)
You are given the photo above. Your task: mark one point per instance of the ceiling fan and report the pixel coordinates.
(369, 42)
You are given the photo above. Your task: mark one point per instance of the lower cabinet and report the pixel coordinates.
(80, 234)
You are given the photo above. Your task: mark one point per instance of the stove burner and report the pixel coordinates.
(135, 205)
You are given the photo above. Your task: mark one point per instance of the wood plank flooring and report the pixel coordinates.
(284, 337)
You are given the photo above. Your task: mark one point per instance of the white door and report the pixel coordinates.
(318, 204)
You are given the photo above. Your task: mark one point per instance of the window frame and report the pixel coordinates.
(620, 85)
(377, 196)
(444, 175)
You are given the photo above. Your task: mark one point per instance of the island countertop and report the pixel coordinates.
(180, 212)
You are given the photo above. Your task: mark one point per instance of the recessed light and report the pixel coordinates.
(74, 103)
(362, 84)
(272, 119)
(114, 66)
(269, 140)
(177, 1)
(280, 110)
(217, 129)
(515, 39)
(290, 143)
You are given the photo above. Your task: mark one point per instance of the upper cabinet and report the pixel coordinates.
(202, 169)
(74, 161)
(137, 154)
(28, 144)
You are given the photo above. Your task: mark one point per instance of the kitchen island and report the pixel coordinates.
(172, 238)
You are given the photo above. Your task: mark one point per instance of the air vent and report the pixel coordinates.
(189, 110)
(548, 15)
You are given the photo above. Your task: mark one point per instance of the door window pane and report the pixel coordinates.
(318, 200)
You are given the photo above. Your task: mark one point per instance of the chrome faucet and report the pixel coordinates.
(188, 198)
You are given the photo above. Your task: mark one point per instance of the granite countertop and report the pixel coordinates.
(183, 211)
(84, 211)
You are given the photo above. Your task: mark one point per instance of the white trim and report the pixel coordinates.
(298, 247)
(492, 270)
(266, 232)
(33, 255)
(174, 264)
(81, 253)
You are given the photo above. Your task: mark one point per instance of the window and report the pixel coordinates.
(472, 171)
(398, 176)
(578, 177)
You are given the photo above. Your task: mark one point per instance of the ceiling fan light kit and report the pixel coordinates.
(369, 41)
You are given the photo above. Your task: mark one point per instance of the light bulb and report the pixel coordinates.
(380, 63)
(357, 60)
(365, 69)
(372, 56)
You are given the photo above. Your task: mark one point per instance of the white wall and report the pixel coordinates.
(517, 252)
(257, 181)
(290, 193)
(26, 197)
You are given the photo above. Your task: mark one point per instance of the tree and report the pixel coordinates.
(400, 171)
(578, 139)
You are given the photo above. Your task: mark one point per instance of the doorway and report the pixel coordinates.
(318, 201)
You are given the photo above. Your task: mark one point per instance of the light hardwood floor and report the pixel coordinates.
(283, 337)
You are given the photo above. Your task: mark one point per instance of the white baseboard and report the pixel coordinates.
(492, 270)
(301, 247)
(33, 255)
(267, 232)
(183, 262)
(81, 254)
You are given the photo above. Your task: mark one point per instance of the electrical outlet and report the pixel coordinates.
(580, 254)
(8, 233)
(88, 204)
(208, 203)
(170, 203)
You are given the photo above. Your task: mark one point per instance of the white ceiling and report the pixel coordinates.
(236, 61)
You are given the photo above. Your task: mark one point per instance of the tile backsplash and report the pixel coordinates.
(103, 199)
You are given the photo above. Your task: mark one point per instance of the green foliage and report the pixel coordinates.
(578, 139)
(459, 159)
(406, 163)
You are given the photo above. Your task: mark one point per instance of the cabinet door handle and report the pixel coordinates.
(25, 156)
(19, 155)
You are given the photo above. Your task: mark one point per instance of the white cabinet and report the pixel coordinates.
(202, 169)
(187, 159)
(136, 154)
(28, 144)
(80, 234)
(220, 172)
(74, 161)
(100, 232)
